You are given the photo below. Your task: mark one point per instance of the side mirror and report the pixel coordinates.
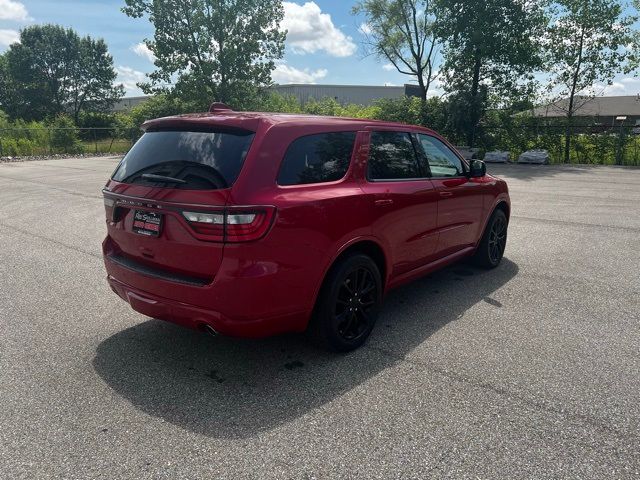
(478, 169)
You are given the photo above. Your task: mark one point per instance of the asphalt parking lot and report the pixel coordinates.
(528, 371)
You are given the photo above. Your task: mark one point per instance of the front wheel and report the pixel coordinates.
(494, 241)
(348, 304)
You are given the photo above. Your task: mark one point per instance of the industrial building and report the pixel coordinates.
(127, 103)
(605, 111)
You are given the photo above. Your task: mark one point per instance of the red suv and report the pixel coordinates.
(255, 224)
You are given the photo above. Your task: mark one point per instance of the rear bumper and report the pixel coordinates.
(191, 316)
(257, 291)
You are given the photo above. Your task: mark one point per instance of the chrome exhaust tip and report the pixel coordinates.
(210, 330)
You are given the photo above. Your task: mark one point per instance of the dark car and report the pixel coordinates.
(254, 224)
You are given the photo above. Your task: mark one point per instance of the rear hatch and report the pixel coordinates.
(165, 204)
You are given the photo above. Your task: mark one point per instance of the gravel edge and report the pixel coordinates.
(56, 157)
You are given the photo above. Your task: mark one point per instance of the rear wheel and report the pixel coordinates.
(494, 241)
(348, 304)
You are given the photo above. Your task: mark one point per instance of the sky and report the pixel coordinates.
(324, 44)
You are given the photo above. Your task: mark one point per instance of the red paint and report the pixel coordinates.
(269, 285)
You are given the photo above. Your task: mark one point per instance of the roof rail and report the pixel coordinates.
(217, 107)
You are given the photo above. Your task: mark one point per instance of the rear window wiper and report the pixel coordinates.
(161, 178)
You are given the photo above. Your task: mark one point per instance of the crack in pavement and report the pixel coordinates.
(47, 239)
(70, 192)
(503, 392)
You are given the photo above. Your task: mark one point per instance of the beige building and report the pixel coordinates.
(605, 111)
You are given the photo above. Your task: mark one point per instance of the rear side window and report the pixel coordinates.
(317, 159)
(392, 157)
(203, 160)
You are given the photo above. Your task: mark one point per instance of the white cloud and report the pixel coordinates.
(388, 67)
(12, 10)
(365, 29)
(619, 87)
(129, 78)
(142, 50)
(285, 74)
(7, 37)
(310, 31)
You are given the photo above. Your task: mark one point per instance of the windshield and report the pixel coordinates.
(205, 160)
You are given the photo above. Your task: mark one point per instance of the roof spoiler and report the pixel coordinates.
(218, 107)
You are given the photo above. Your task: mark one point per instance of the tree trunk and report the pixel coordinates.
(423, 99)
(422, 87)
(475, 89)
(572, 96)
(569, 131)
(567, 139)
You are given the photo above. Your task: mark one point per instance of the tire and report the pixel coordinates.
(494, 241)
(345, 315)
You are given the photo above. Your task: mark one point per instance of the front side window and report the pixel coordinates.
(442, 161)
(193, 160)
(392, 157)
(317, 159)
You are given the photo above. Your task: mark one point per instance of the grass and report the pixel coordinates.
(108, 145)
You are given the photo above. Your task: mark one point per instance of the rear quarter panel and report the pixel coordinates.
(313, 223)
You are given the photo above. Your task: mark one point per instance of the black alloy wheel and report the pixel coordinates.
(498, 239)
(494, 241)
(348, 304)
(355, 304)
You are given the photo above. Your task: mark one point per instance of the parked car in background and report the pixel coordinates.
(255, 224)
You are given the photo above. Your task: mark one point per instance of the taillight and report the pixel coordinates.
(109, 205)
(234, 225)
(113, 211)
(210, 224)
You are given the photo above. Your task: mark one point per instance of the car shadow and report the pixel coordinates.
(231, 388)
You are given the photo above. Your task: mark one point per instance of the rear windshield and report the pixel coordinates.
(186, 159)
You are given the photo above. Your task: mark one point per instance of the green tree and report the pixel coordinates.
(52, 71)
(6, 85)
(128, 124)
(212, 49)
(491, 52)
(403, 33)
(274, 102)
(65, 137)
(92, 86)
(586, 44)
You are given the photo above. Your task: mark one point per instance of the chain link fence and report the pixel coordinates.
(44, 141)
(596, 145)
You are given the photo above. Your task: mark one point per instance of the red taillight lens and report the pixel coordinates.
(248, 225)
(234, 225)
(209, 224)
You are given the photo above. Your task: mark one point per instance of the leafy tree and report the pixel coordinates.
(587, 43)
(404, 110)
(466, 109)
(491, 51)
(52, 70)
(128, 124)
(65, 136)
(212, 49)
(92, 83)
(5, 84)
(403, 33)
(274, 102)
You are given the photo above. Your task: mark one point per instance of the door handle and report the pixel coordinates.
(384, 203)
(446, 194)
